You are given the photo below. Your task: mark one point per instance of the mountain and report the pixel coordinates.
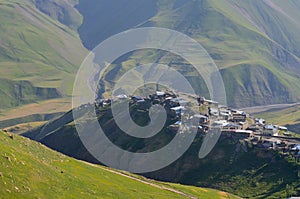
(234, 165)
(39, 56)
(254, 43)
(31, 170)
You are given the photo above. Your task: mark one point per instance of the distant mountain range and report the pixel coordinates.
(254, 43)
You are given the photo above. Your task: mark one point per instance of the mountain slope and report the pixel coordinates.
(254, 43)
(234, 165)
(30, 170)
(37, 51)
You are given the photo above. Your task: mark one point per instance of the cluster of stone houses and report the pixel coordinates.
(213, 114)
(209, 113)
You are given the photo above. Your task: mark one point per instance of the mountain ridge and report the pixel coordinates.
(232, 33)
(36, 52)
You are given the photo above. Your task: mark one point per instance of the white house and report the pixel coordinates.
(269, 129)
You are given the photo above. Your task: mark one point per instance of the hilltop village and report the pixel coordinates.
(209, 113)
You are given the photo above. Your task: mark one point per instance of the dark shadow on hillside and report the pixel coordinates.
(102, 18)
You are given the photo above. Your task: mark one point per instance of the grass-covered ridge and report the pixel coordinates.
(254, 43)
(35, 49)
(30, 170)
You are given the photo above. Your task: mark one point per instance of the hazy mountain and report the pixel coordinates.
(254, 43)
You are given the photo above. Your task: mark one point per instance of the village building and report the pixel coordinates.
(246, 133)
(160, 93)
(177, 111)
(238, 117)
(136, 98)
(201, 118)
(270, 130)
(254, 128)
(221, 123)
(224, 113)
(213, 112)
(122, 96)
(282, 128)
(260, 121)
(232, 126)
(180, 101)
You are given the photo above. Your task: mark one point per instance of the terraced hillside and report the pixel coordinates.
(39, 56)
(254, 43)
(30, 170)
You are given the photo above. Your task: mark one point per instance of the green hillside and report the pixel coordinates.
(30, 170)
(234, 165)
(254, 43)
(39, 56)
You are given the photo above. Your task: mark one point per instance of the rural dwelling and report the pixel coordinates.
(232, 126)
(213, 112)
(254, 128)
(122, 96)
(201, 118)
(178, 109)
(238, 117)
(220, 123)
(178, 101)
(225, 113)
(136, 98)
(160, 94)
(260, 121)
(246, 133)
(270, 130)
(282, 128)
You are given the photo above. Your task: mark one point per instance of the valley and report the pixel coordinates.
(254, 44)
